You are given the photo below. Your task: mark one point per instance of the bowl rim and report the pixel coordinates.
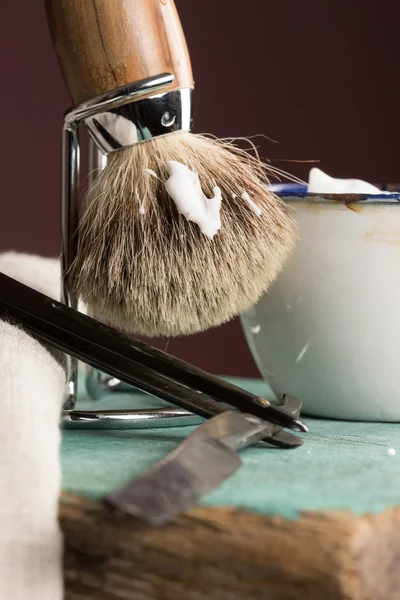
(297, 192)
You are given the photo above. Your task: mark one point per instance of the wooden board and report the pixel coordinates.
(320, 522)
(224, 554)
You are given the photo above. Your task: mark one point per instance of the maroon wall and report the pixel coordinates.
(321, 77)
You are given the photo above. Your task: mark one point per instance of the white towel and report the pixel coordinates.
(32, 384)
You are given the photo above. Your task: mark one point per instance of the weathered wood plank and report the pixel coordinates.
(225, 554)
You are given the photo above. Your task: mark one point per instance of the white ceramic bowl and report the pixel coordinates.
(328, 330)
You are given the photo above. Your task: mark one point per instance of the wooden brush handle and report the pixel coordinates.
(103, 44)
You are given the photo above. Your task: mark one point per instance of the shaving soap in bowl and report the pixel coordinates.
(328, 329)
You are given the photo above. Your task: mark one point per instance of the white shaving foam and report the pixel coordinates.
(321, 183)
(183, 186)
(252, 205)
(152, 173)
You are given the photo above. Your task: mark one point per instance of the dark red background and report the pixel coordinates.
(321, 77)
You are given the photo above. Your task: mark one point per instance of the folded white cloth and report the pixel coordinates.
(32, 385)
(42, 274)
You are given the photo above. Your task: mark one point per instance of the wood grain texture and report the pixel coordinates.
(103, 44)
(224, 554)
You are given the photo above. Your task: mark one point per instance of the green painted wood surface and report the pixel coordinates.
(342, 465)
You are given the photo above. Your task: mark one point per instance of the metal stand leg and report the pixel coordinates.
(97, 162)
(69, 222)
(69, 225)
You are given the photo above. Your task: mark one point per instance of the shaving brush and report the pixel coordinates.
(144, 262)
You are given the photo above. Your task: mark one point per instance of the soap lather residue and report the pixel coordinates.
(183, 185)
(152, 173)
(321, 183)
(251, 204)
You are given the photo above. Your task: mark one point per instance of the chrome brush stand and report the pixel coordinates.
(118, 119)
